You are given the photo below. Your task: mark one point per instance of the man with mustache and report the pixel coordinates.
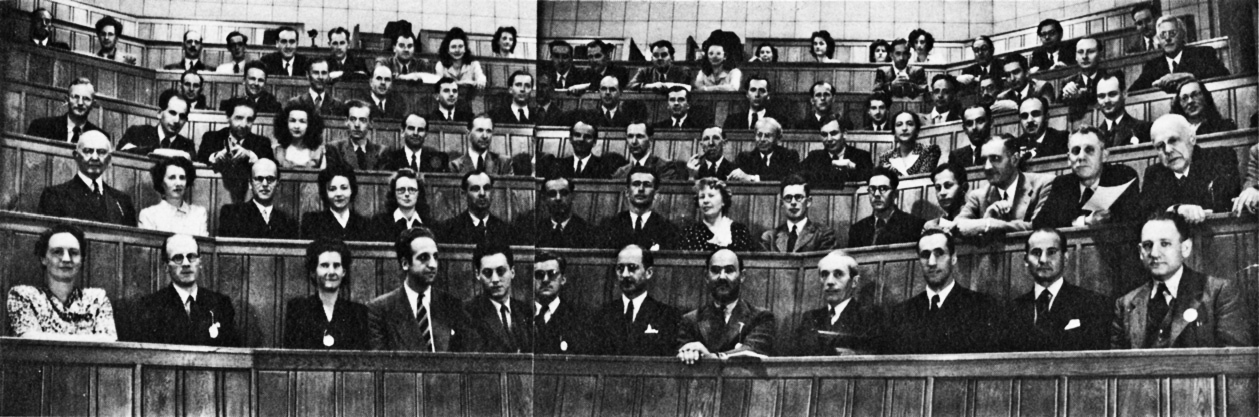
(1038, 139)
(640, 225)
(635, 324)
(86, 196)
(887, 224)
(711, 162)
(191, 60)
(42, 32)
(847, 325)
(1010, 199)
(476, 224)
(560, 326)
(254, 77)
(185, 313)
(1178, 62)
(416, 316)
(726, 324)
(479, 156)
(977, 123)
(359, 152)
(798, 233)
(74, 123)
(1179, 307)
(583, 163)
(1189, 179)
(285, 61)
(1069, 192)
(561, 228)
(638, 140)
(164, 138)
(258, 218)
(1055, 315)
(236, 142)
(502, 321)
(1118, 127)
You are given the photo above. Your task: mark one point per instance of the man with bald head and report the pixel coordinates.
(846, 325)
(184, 313)
(837, 162)
(86, 196)
(1070, 192)
(191, 60)
(258, 218)
(1009, 200)
(1055, 315)
(711, 161)
(612, 111)
(769, 161)
(1189, 179)
(583, 163)
(634, 324)
(726, 324)
(70, 126)
(1078, 91)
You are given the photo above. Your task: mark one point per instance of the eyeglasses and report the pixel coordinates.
(178, 259)
(879, 189)
(1027, 115)
(407, 190)
(489, 272)
(794, 198)
(545, 275)
(266, 180)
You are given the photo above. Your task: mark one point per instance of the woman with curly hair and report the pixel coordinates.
(765, 53)
(299, 137)
(717, 71)
(880, 51)
(455, 60)
(1195, 102)
(909, 157)
(822, 47)
(504, 45)
(714, 230)
(922, 43)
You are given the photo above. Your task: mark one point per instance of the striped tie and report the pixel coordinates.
(425, 332)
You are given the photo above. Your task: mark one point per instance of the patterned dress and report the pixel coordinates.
(927, 158)
(695, 237)
(35, 309)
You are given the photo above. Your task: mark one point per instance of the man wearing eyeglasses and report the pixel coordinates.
(663, 74)
(1070, 192)
(1178, 62)
(984, 67)
(184, 313)
(416, 316)
(476, 224)
(560, 326)
(1010, 199)
(726, 324)
(887, 225)
(640, 224)
(1038, 139)
(846, 325)
(1053, 52)
(258, 218)
(1054, 315)
(837, 162)
(285, 61)
(190, 87)
(80, 98)
(86, 196)
(635, 323)
(236, 46)
(798, 233)
(191, 60)
(413, 154)
(561, 228)
(503, 322)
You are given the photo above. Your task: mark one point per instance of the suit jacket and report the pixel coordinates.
(1063, 204)
(810, 121)
(459, 229)
(494, 164)
(74, 199)
(1036, 88)
(596, 167)
(524, 164)
(592, 77)
(965, 323)
(626, 112)
(1215, 125)
(1086, 313)
(199, 103)
(181, 66)
(321, 224)
(460, 115)
(1028, 200)
(331, 107)
(264, 102)
(275, 64)
(723, 169)
(1054, 143)
(551, 116)
(900, 228)
(782, 162)
(504, 114)
(385, 229)
(1221, 317)
(354, 68)
(1252, 168)
(817, 168)
(964, 156)
(489, 325)
(1086, 97)
(217, 140)
(431, 160)
(244, 220)
(55, 128)
(575, 76)
(395, 107)
(618, 231)
(870, 125)
(812, 237)
(1137, 43)
(145, 139)
(954, 114)
(749, 328)
(739, 119)
(1201, 61)
(1212, 182)
(1129, 131)
(883, 78)
(693, 120)
(993, 71)
(1040, 57)
(392, 324)
(675, 74)
(855, 332)
(55, 44)
(162, 319)
(665, 170)
(653, 332)
(307, 327)
(577, 234)
(341, 154)
(566, 333)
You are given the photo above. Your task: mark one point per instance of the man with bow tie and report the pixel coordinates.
(846, 325)
(726, 324)
(1009, 200)
(1188, 179)
(797, 233)
(1055, 315)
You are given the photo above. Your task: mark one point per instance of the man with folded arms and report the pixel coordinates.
(1055, 315)
(634, 324)
(946, 317)
(769, 161)
(725, 325)
(1069, 192)
(846, 325)
(416, 316)
(1189, 179)
(1178, 62)
(663, 74)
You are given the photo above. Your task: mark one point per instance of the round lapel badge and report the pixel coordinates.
(328, 340)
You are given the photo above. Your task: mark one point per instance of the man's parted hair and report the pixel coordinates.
(491, 247)
(547, 256)
(402, 246)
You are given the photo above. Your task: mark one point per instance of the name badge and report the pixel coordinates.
(563, 346)
(328, 340)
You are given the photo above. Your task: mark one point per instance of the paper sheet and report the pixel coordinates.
(1103, 197)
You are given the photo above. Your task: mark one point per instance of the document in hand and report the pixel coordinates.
(1104, 197)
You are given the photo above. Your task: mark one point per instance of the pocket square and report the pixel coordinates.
(650, 330)
(1074, 323)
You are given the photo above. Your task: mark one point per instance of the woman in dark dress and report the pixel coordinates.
(909, 157)
(714, 230)
(338, 220)
(326, 320)
(405, 207)
(951, 186)
(1193, 101)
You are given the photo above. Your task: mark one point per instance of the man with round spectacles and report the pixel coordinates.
(887, 224)
(184, 313)
(797, 233)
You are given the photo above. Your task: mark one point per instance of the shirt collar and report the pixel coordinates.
(182, 207)
(184, 293)
(636, 301)
(343, 219)
(798, 225)
(100, 184)
(1176, 58)
(415, 216)
(412, 155)
(1054, 289)
(1014, 186)
(944, 293)
(643, 161)
(412, 296)
(315, 95)
(499, 306)
(562, 225)
(516, 108)
(646, 216)
(550, 308)
(474, 154)
(1114, 123)
(261, 207)
(476, 220)
(1173, 283)
(841, 306)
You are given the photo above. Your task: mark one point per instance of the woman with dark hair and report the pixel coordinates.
(880, 51)
(337, 220)
(909, 157)
(504, 44)
(718, 72)
(325, 320)
(173, 179)
(406, 206)
(765, 53)
(951, 186)
(715, 230)
(299, 133)
(1195, 102)
(455, 60)
(922, 43)
(823, 46)
(60, 309)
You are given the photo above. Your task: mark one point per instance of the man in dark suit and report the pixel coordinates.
(86, 196)
(638, 140)
(317, 95)
(71, 126)
(190, 86)
(1055, 315)
(758, 108)
(711, 161)
(582, 163)
(561, 69)
(479, 157)
(258, 218)
(560, 326)
(680, 115)
(406, 65)
(945, 107)
(635, 324)
(413, 154)
(386, 104)
(358, 152)
(1178, 62)
(476, 224)
(237, 142)
(837, 163)
(285, 61)
(1038, 139)
(977, 123)
(1188, 178)
(184, 313)
(769, 161)
(561, 228)
(503, 322)
(1179, 307)
(343, 65)
(798, 233)
(548, 113)
(1143, 17)
(663, 74)
(822, 100)
(1053, 52)
(640, 225)
(946, 317)
(877, 106)
(416, 316)
(42, 32)
(725, 324)
(1069, 192)
(847, 325)
(985, 65)
(887, 225)
(1019, 84)
(900, 79)
(601, 66)
(612, 111)
(446, 93)
(1117, 126)
(1080, 90)
(254, 77)
(163, 138)
(191, 60)
(520, 88)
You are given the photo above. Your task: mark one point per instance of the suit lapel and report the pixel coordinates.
(710, 323)
(1137, 311)
(733, 327)
(781, 237)
(805, 236)
(1188, 296)
(409, 330)
(1019, 204)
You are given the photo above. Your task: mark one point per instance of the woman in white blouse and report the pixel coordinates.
(173, 179)
(455, 60)
(504, 45)
(909, 157)
(299, 137)
(717, 73)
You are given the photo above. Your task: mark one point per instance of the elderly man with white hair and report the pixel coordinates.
(846, 325)
(769, 161)
(1189, 179)
(86, 196)
(1179, 62)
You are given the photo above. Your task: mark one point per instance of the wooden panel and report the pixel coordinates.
(114, 391)
(274, 393)
(1038, 397)
(619, 395)
(1138, 397)
(660, 396)
(160, 391)
(200, 392)
(405, 394)
(993, 397)
(315, 393)
(23, 388)
(443, 394)
(1241, 396)
(908, 397)
(1193, 396)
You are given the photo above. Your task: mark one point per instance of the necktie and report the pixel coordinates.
(1175, 66)
(607, 114)
(629, 313)
(288, 68)
(580, 165)
(638, 224)
(236, 68)
(1086, 195)
(318, 101)
(480, 230)
(521, 117)
(935, 120)
(791, 239)
(1155, 314)
(503, 314)
(765, 157)
(362, 157)
(1042, 306)
(421, 315)
(480, 163)
(188, 306)
(834, 313)
(415, 164)
(405, 69)
(96, 189)
(677, 122)
(540, 320)
(382, 106)
(935, 303)
(755, 118)
(74, 134)
(165, 142)
(557, 235)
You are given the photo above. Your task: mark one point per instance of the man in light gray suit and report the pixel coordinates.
(1010, 199)
(479, 156)
(798, 233)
